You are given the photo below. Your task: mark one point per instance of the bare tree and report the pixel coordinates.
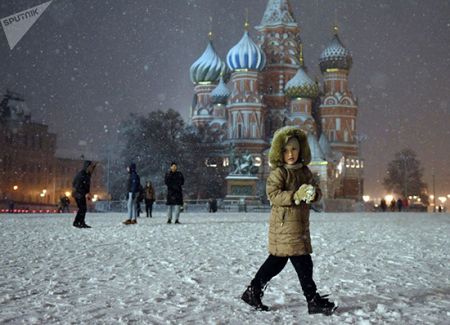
(404, 175)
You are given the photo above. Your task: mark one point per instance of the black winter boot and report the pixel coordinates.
(253, 295)
(321, 305)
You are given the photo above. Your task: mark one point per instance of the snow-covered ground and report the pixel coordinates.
(390, 268)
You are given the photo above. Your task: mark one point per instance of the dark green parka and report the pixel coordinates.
(289, 223)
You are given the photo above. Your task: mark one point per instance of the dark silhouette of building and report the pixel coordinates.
(30, 173)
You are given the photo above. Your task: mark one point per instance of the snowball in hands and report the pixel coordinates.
(306, 193)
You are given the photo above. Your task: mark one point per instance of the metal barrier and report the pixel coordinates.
(189, 206)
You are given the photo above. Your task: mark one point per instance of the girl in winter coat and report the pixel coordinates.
(290, 188)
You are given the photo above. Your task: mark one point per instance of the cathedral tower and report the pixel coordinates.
(338, 112)
(280, 40)
(245, 107)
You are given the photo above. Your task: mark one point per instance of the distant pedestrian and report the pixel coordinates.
(11, 206)
(383, 205)
(81, 187)
(64, 203)
(133, 190)
(174, 180)
(392, 205)
(405, 204)
(149, 198)
(212, 204)
(399, 205)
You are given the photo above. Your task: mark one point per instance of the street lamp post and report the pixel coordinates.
(360, 138)
(434, 194)
(405, 177)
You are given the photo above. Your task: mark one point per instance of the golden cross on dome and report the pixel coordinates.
(210, 33)
(246, 24)
(300, 58)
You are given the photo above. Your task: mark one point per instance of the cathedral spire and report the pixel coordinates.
(246, 23)
(300, 56)
(210, 33)
(335, 29)
(278, 12)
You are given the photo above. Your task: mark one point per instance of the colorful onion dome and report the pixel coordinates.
(301, 85)
(246, 55)
(208, 66)
(220, 94)
(335, 56)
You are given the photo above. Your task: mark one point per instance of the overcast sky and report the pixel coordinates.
(84, 66)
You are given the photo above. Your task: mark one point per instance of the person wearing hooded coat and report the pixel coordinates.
(290, 188)
(133, 190)
(81, 187)
(174, 180)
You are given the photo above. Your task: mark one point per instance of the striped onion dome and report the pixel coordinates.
(301, 85)
(246, 55)
(220, 94)
(335, 56)
(208, 66)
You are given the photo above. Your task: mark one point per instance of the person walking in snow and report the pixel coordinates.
(81, 187)
(133, 189)
(291, 188)
(392, 205)
(64, 203)
(149, 198)
(174, 180)
(399, 204)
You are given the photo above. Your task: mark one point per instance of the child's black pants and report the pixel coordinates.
(303, 265)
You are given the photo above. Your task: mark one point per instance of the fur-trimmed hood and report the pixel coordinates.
(281, 138)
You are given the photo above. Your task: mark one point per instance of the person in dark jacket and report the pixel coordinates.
(149, 198)
(81, 187)
(399, 204)
(174, 181)
(133, 190)
(393, 205)
(212, 205)
(64, 203)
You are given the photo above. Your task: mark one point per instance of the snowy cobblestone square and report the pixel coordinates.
(390, 268)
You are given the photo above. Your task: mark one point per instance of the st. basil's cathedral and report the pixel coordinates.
(263, 85)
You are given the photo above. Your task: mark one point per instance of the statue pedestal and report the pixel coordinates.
(241, 187)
